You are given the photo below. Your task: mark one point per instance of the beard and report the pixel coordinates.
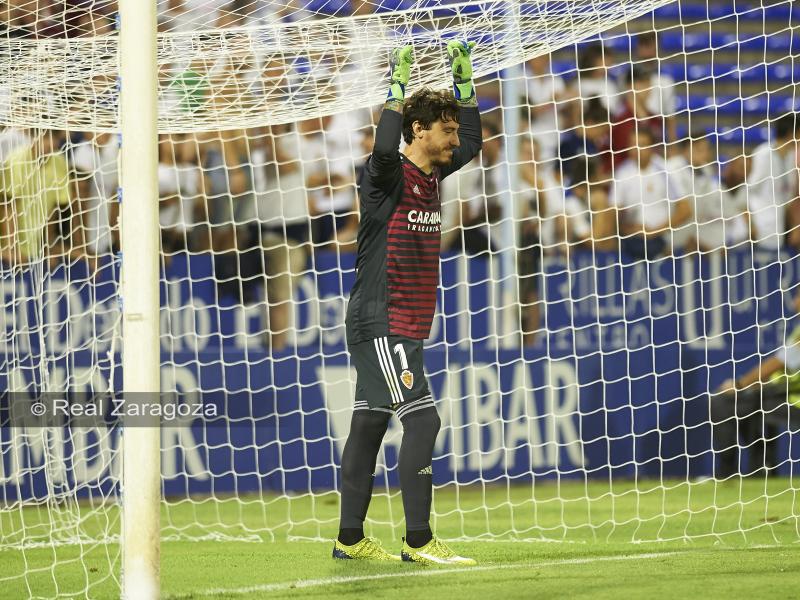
(443, 158)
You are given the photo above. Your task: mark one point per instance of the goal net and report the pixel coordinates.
(613, 354)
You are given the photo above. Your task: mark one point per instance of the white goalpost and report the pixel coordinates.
(613, 351)
(139, 290)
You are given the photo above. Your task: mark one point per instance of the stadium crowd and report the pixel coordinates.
(598, 166)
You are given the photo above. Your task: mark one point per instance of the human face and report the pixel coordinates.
(596, 132)
(701, 153)
(439, 141)
(646, 149)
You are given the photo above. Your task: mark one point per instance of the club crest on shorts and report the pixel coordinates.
(407, 377)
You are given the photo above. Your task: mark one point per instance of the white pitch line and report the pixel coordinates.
(309, 583)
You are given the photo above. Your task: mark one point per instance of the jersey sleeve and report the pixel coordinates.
(469, 134)
(384, 167)
(380, 183)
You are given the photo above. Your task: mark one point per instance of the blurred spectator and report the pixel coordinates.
(527, 195)
(344, 136)
(647, 202)
(794, 207)
(544, 90)
(720, 208)
(678, 165)
(592, 219)
(178, 190)
(593, 80)
(330, 179)
(56, 19)
(11, 139)
(37, 216)
(634, 115)
(772, 183)
(191, 86)
(699, 183)
(16, 22)
(83, 19)
(282, 219)
(233, 14)
(736, 217)
(190, 15)
(661, 97)
(751, 411)
(564, 215)
(94, 164)
(478, 187)
(680, 170)
(50, 19)
(228, 191)
(589, 138)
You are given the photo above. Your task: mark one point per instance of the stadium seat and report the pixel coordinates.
(781, 72)
(784, 72)
(675, 69)
(447, 8)
(754, 73)
(338, 8)
(670, 11)
(683, 11)
(677, 42)
(618, 43)
(394, 5)
(779, 12)
(755, 12)
(779, 43)
(756, 107)
(721, 10)
(699, 71)
(693, 103)
(564, 67)
(782, 104)
(750, 136)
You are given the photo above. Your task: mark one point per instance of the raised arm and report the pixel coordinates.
(469, 133)
(383, 166)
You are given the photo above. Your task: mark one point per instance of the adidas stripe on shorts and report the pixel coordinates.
(389, 372)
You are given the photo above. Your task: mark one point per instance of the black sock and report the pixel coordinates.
(417, 539)
(351, 536)
(420, 428)
(367, 429)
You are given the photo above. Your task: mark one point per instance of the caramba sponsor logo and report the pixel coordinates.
(424, 220)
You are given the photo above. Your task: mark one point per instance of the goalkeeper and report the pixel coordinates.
(394, 296)
(752, 410)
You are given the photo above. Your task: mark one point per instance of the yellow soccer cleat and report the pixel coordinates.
(435, 552)
(367, 549)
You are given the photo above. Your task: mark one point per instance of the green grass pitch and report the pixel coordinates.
(736, 538)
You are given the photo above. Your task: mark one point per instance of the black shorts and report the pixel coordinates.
(389, 371)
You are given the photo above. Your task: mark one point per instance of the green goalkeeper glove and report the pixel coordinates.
(461, 64)
(399, 72)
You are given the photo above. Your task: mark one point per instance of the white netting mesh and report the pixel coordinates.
(249, 68)
(625, 245)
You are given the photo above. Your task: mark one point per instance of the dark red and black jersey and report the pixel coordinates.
(397, 269)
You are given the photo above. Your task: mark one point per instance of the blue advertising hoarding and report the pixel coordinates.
(618, 385)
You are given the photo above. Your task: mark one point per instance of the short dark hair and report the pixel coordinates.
(647, 38)
(640, 71)
(491, 126)
(786, 125)
(427, 106)
(642, 128)
(595, 112)
(590, 54)
(582, 169)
